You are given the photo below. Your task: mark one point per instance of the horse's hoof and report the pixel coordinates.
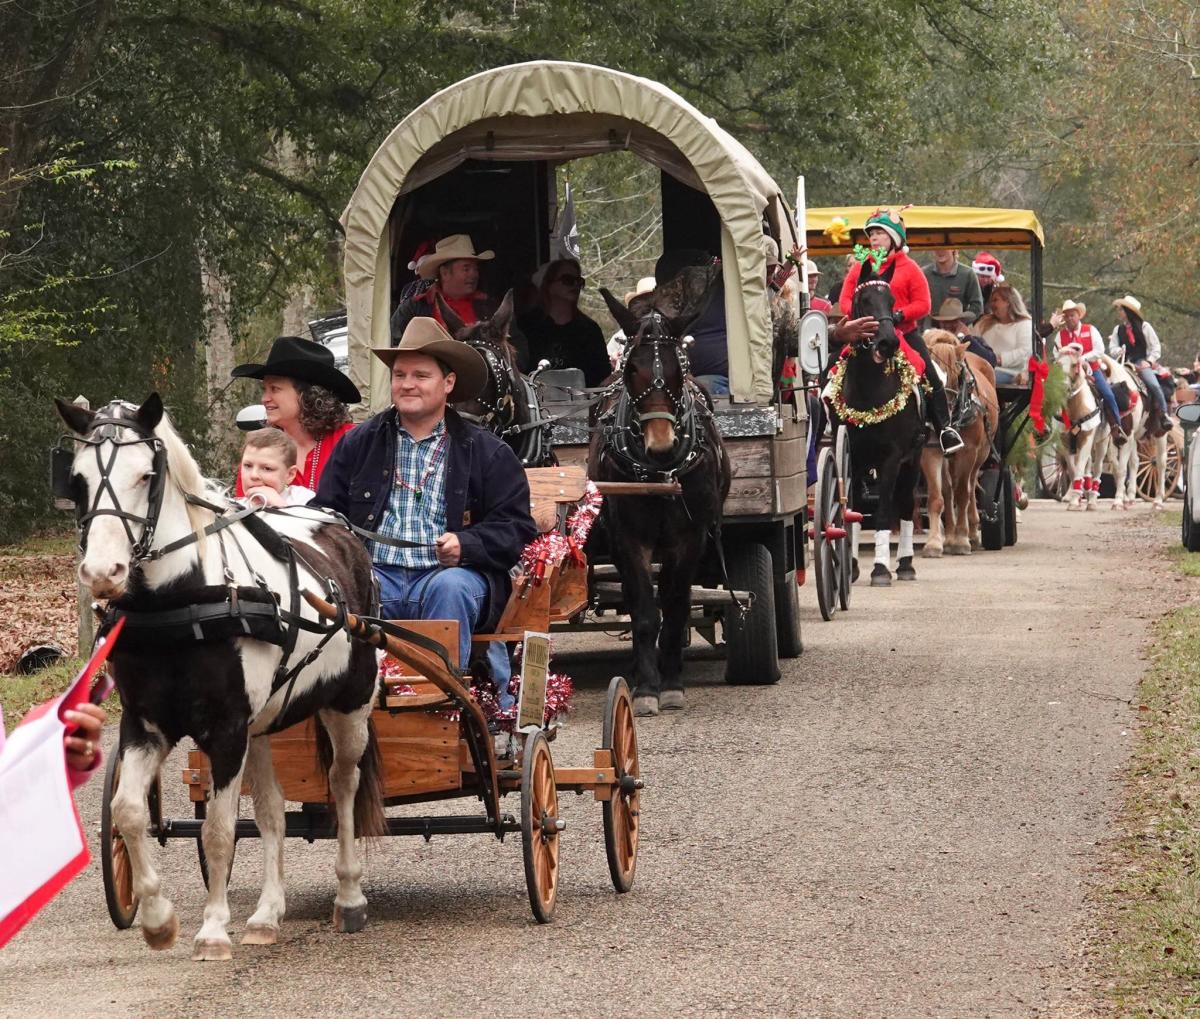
(958, 550)
(933, 552)
(854, 571)
(164, 937)
(881, 576)
(1089, 507)
(672, 700)
(645, 706)
(1158, 506)
(349, 919)
(260, 934)
(212, 950)
(904, 569)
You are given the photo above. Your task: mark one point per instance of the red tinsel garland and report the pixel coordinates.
(1039, 371)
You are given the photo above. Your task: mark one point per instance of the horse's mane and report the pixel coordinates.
(944, 348)
(187, 479)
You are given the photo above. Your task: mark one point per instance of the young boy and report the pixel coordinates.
(269, 469)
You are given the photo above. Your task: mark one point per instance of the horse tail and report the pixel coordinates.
(369, 818)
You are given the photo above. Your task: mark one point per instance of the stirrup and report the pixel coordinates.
(950, 440)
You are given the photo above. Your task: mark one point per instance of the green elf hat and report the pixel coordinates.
(891, 221)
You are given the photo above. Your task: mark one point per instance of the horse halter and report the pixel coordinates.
(105, 429)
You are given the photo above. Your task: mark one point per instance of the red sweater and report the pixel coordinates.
(910, 289)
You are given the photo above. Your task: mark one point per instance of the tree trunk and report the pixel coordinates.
(219, 362)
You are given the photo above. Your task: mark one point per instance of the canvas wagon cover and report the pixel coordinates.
(557, 110)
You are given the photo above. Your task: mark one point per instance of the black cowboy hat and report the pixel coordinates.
(293, 357)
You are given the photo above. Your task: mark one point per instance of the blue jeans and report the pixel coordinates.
(1005, 376)
(1105, 390)
(452, 592)
(1155, 390)
(717, 385)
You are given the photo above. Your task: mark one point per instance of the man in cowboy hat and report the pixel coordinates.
(453, 266)
(950, 279)
(452, 495)
(1068, 320)
(953, 317)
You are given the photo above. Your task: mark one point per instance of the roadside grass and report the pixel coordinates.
(19, 693)
(1151, 950)
(41, 545)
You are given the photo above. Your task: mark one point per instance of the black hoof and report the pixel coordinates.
(881, 576)
(853, 571)
(904, 569)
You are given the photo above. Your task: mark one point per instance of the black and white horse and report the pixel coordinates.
(217, 646)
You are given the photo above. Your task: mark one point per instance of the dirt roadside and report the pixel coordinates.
(907, 825)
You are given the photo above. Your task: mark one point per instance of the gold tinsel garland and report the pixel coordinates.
(873, 416)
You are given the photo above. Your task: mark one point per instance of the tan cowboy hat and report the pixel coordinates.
(1078, 306)
(447, 250)
(425, 335)
(1129, 304)
(952, 310)
(644, 286)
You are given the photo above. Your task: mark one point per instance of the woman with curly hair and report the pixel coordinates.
(305, 396)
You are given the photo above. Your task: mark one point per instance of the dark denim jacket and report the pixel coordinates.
(487, 494)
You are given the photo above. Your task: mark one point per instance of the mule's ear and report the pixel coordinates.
(502, 319)
(78, 419)
(150, 413)
(454, 325)
(625, 318)
(887, 273)
(867, 272)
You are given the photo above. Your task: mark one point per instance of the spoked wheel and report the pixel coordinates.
(1146, 466)
(845, 560)
(621, 813)
(114, 856)
(540, 826)
(1054, 470)
(824, 499)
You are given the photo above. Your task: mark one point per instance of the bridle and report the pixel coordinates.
(105, 429)
(866, 287)
(500, 412)
(621, 423)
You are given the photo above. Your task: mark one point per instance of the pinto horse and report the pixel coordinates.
(885, 422)
(508, 405)
(218, 646)
(657, 425)
(1088, 438)
(950, 481)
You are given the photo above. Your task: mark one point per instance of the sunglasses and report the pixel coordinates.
(571, 280)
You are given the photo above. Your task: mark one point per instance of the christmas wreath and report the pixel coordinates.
(874, 415)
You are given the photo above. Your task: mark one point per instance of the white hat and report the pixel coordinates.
(1130, 304)
(811, 266)
(644, 286)
(447, 250)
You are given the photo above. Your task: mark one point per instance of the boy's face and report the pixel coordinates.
(264, 468)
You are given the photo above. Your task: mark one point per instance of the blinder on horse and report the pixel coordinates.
(621, 422)
(500, 415)
(104, 429)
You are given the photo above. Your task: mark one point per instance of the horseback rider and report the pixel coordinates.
(454, 492)
(1134, 339)
(910, 291)
(1068, 320)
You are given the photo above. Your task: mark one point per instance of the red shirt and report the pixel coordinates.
(463, 307)
(910, 289)
(314, 463)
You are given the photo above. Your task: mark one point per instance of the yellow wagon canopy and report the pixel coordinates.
(555, 111)
(932, 226)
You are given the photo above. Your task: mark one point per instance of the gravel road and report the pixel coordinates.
(906, 825)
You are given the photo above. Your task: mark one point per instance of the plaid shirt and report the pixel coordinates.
(413, 518)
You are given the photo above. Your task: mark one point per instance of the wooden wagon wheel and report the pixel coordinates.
(114, 855)
(1145, 475)
(621, 813)
(827, 570)
(1054, 470)
(540, 827)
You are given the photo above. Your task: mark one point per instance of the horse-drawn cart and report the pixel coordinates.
(936, 227)
(437, 743)
(481, 157)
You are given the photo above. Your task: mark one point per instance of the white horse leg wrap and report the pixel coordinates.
(883, 545)
(855, 535)
(906, 539)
